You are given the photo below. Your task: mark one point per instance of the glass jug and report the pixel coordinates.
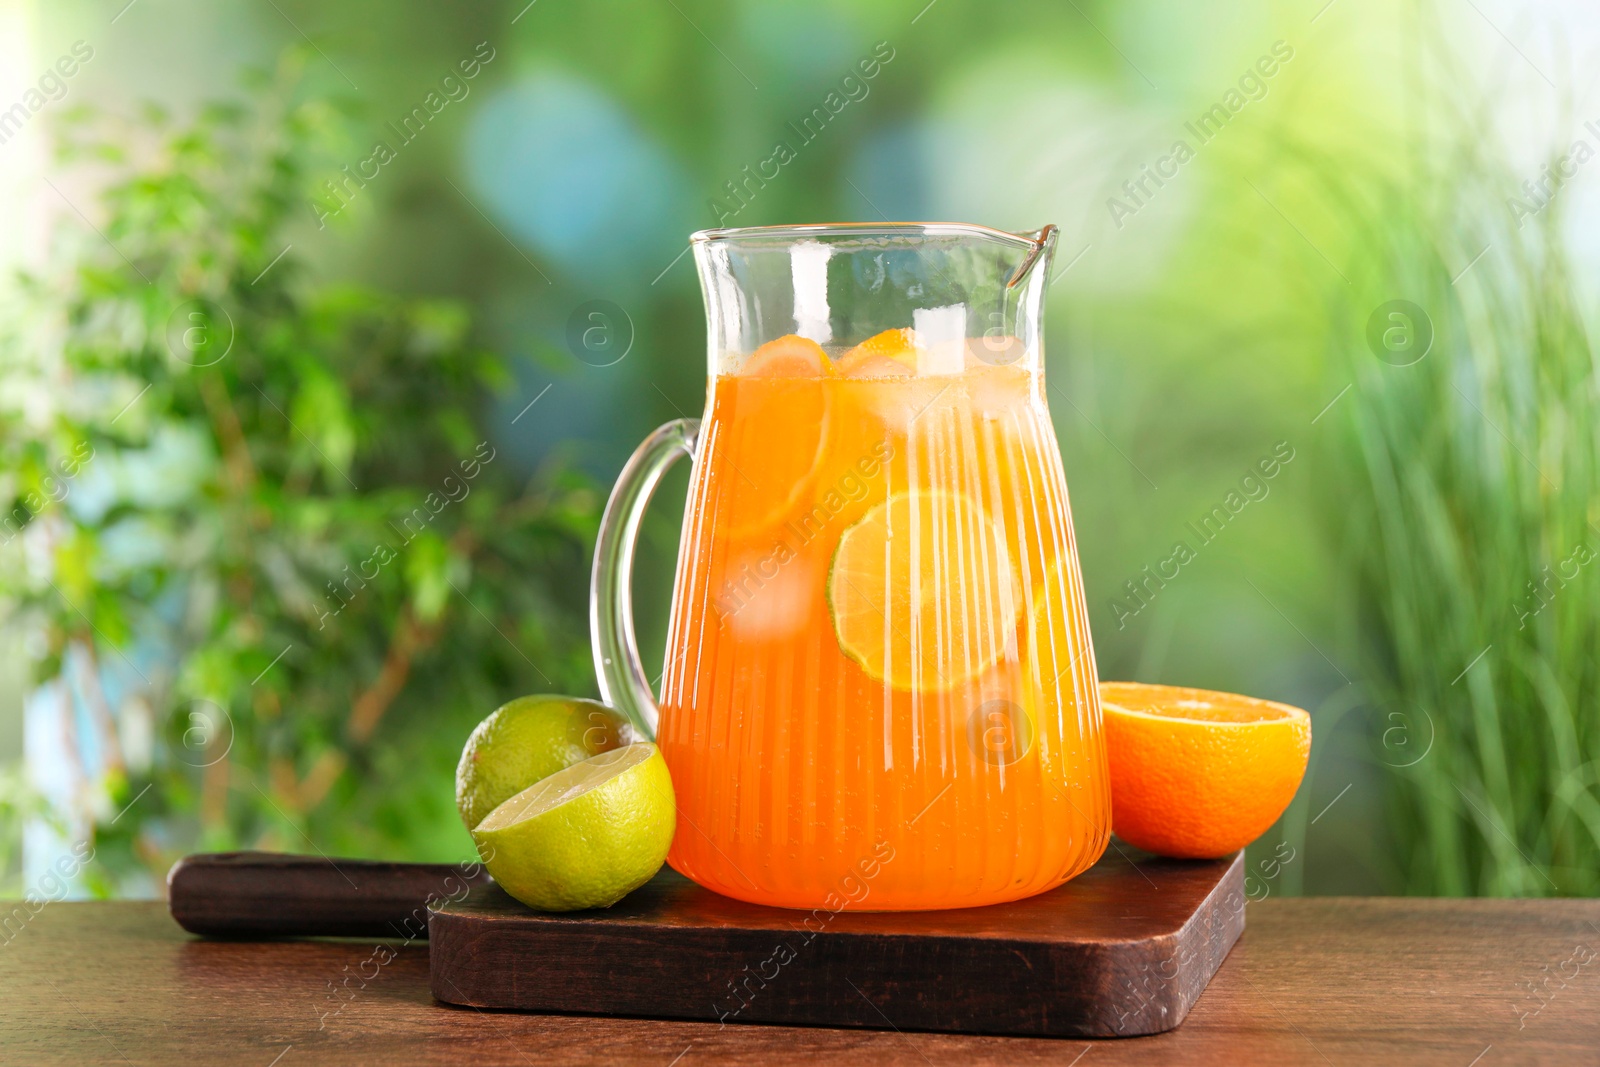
(880, 692)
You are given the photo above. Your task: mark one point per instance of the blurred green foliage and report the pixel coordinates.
(1470, 475)
(1228, 313)
(260, 529)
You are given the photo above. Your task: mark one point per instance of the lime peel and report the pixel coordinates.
(524, 741)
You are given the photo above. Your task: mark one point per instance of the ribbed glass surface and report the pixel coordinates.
(880, 691)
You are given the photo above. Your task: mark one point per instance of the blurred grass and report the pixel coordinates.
(1473, 473)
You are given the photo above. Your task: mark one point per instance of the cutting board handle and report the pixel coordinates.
(274, 894)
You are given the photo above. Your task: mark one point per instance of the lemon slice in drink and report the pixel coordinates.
(586, 836)
(922, 591)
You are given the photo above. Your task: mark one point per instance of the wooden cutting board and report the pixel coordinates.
(1123, 949)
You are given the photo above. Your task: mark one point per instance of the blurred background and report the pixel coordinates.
(305, 434)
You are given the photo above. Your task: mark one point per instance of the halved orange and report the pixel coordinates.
(1198, 774)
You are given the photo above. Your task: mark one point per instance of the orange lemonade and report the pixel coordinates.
(880, 692)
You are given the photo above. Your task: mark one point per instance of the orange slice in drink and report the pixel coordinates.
(1057, 663)
(1197, 774)
(789, 356)
(890, 354)
(1058, 651)
(876, 369)
(922, 591)
(779, 424)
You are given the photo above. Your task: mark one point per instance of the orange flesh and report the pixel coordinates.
(1178, 702)
(1198, 774)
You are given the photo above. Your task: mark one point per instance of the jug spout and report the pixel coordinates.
(1044, 245)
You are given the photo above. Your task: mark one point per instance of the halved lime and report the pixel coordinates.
(586, 836)
(525, 740)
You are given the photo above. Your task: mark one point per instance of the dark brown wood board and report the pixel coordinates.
(1123, 949)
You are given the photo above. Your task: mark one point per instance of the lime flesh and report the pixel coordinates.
(586, 836)
(922, 591)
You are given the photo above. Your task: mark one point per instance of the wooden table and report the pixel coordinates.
(1314, 981)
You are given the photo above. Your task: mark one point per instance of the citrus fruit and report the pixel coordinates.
(525, 740)
(586, 836)
(776, 408)
(789, 356)
(890, 354)
(902, 382)
(1197, 774)
(922, 591)
(1058, 650)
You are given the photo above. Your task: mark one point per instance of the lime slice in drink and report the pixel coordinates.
(922, 591)
(586, 836)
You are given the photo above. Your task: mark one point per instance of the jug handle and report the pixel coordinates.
(623, 682)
